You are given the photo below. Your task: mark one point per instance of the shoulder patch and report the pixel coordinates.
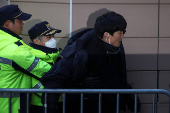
(18, 43)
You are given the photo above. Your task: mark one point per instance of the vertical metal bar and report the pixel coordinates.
(45, 104)
(153, 111)
(158, 53)
(135, 109)
(158, 32)
(117, 109)
(8, 2)
(158, 73)
(9, 102)
(28, 102)
(71, 18)
(81, 110)
(169, 104)
(64, 102)
(100, 102)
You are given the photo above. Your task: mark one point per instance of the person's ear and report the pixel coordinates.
(7, 24)
(105, 35)
(35, 41)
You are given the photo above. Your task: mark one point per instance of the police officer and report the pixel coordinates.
(45, 47)
(17, 64)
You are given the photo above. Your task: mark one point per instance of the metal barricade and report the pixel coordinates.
(90, 91)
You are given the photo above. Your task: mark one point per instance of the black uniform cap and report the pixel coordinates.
(12, 11)
(42, 29)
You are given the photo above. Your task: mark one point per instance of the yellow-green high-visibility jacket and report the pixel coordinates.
(44, 53)
(17, 67)
(48, 55)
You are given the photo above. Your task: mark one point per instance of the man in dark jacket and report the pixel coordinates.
(94, 52)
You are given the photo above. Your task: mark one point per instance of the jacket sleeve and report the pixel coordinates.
(56, 78)
(59, 74)
(28, 63)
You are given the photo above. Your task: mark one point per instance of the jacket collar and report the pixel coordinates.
(105, 47)
(10, 32)
(76, 42)
(80, 39)
(88, 35)
(43, 48)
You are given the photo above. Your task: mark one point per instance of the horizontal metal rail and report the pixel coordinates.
(91, 91)
(115, 91)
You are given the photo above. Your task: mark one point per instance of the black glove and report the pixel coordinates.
(130, 100)
(90, 82)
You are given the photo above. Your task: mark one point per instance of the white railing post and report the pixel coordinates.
(71, 18)
(8, 2)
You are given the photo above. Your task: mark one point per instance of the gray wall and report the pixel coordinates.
(146, 42)
(3, 2)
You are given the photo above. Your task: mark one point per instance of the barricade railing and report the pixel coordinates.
(89, 91)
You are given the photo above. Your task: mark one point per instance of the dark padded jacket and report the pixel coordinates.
(84, 56)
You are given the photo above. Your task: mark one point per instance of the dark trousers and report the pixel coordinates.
(36, 109)
(90, 106)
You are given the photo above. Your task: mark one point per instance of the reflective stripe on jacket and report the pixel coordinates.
(48, 56)
(16, 63)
